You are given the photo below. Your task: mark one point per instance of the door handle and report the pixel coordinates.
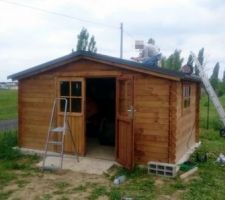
(131, 111)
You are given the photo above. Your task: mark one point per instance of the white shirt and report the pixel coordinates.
(149, 51)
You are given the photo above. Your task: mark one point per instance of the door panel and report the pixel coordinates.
(124, 122)
(75, 93)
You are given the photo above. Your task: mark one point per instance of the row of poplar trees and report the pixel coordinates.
(84, 43)
(175, 61)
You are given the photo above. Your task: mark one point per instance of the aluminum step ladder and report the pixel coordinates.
(211, 92)
(59, 133)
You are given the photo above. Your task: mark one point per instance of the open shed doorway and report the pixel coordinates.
(100, 117)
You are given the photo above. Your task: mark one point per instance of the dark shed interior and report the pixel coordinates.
(100, 115)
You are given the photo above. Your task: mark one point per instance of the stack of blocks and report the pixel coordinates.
(162, 169)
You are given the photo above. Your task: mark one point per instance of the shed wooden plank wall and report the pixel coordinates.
(160, 128)
(36, 97)
(187, 121)
(37, 94)
(151, 122)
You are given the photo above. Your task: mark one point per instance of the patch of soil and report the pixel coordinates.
(177, 195)
(55, 185)
(191, 178)
(159, 182)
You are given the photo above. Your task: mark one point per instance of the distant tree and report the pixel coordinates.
(163, 62)
(214, 79)
(91, 45)
(190, 60)
(223, 79)
(201, 60)
(82, 40)
(221, 90)
(83, 44)
(173, 62)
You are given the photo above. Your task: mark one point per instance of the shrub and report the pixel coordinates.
(8, 140)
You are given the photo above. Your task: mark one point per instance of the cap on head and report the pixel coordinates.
(151, 41)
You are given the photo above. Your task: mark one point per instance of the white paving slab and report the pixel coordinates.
(85, 164)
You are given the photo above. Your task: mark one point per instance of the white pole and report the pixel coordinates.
(121, 40)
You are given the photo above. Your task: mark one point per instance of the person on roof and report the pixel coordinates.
(150, 54)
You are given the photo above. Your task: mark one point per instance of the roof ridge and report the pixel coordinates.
(52, 64)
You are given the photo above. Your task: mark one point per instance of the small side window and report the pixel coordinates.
(186, 95)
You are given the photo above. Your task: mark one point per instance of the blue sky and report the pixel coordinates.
(30, 37)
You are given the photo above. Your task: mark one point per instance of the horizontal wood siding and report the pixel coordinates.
(187, 121)
(151, 121)
(159, 123)
(36, 95)
(76, 124)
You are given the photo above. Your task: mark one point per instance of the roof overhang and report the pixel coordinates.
(112, 61)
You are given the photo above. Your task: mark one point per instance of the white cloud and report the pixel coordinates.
(29, 37)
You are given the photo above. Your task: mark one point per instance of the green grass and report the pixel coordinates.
(210, 183)
(7, 141)
(97, 192)
(61, 187)
(138, 185)
(12, 163)
(46, 197)
(8, 104)
(214, 122)
(5, 195)
(207, 184)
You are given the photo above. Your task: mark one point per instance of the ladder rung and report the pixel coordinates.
(55, 142)
(58, 129)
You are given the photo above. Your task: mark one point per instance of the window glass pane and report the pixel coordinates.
(64, 88)
(187, 102)
(186, 96)
(62, 105)
(76, 88)
(75, 105)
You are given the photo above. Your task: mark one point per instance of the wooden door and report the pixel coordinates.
(124, 122)
(73, 89)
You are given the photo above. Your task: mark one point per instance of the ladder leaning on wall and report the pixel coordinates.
(211, 92)
(56, 135)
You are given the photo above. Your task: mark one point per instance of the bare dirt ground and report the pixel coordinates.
(67, 184)
(59, 185)
(22, 180)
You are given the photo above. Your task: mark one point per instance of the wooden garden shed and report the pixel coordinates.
(142, 113)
